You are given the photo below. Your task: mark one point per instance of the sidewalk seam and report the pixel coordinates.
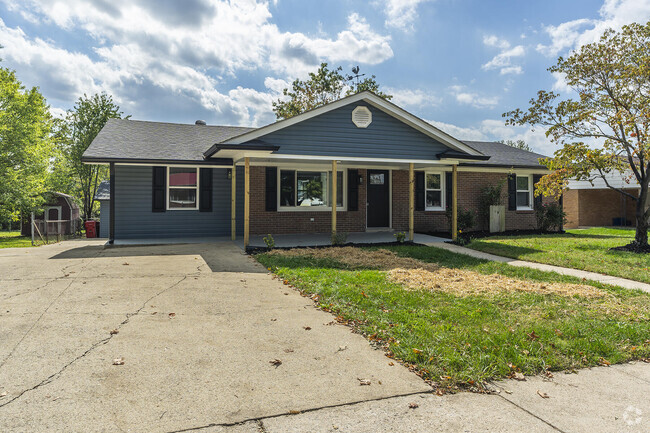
(532, 414)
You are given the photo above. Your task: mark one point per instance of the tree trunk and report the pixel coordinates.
(642, 215)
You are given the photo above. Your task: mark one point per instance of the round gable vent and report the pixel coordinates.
(362, 117)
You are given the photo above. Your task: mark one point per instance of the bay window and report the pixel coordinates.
(434, 197)
(303, 189)
(182, 188)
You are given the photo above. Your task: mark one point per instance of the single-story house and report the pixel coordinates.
(590, 204)
(393, 171)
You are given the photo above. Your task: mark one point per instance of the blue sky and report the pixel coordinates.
(456, 63)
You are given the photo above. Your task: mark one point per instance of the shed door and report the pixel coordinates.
(378, 198)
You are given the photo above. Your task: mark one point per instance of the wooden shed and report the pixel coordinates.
(60, 216)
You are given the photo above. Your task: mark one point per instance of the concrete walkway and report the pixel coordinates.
(594, 276)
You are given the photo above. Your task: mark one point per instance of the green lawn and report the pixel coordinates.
(587, 249)
(461, 342)
(14, 240)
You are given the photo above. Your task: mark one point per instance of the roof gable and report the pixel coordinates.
(369, 99)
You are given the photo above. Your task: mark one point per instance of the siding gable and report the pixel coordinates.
(334, 134)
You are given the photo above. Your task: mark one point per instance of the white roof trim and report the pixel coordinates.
(374, 100)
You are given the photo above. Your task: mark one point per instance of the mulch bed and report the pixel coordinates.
(633, 248)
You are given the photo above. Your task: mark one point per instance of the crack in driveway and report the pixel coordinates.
(101, 342)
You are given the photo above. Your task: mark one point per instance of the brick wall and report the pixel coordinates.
(597, 207)
(469, 186)
(263, 222)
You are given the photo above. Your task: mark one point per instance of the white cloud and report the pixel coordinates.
(401, 14)
(496, 130)
(503, 60)
(464, 96)
(413, 98)
(459, 132)
(613, 14)
(179, 50)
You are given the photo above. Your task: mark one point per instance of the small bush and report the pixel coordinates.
(466, 219)
(489, 196)
(400, 237)
(339, 238)
(550, 216)
(269, 241)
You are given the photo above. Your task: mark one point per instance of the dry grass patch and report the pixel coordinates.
(460, 282)
(380, 259)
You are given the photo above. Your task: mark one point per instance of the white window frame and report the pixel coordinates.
(296, 208)
(443, 197)
(169, 187)
(529, 191)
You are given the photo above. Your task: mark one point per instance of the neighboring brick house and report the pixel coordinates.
(173, 180)
(589, 205)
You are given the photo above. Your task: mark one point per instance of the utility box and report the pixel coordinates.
(497, 219)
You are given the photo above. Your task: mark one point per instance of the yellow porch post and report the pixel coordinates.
(454, 202)
(233, 207)
(334, 179)
(411, 200)
(247, 199)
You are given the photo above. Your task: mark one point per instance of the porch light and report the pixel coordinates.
(229, 173)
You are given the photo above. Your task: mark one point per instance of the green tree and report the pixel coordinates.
(605, 129)
(81, 126)
(25, 147)
(519, 144)
(322, 87)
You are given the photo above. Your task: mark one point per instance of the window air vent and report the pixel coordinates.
(362, 117)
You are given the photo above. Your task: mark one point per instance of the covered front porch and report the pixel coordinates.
(374, 199)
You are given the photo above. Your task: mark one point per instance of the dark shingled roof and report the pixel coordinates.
(103, 191)
(502, 155)
(134, 139)
(124, 140)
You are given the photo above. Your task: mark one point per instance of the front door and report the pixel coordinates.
(378, 191)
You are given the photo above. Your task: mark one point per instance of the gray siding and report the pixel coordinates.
(334, 134)
(104, 218)
(134, 218)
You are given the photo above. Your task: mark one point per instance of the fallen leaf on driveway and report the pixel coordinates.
(342, 348)
(413, 405)
(391, 363)
(172, 315)
(3, 394)
(276, 363)
(307, 328)
(363, 381)
(125, 264)
(294, 412)
(114, 331)
(542, 394)
(440, 392)
(519, 376)
(155, 312)
(118, 361)
(288, 350)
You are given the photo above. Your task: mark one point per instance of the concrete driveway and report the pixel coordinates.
(197, 326)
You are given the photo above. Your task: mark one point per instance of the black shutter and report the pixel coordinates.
(353, 189)
(419, 190)
(537, 198)
(512, 192)
(205, 190)
(158, 189)
(271, 188)
(449, 183)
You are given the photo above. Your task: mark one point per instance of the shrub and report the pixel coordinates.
(400, 237)
(269, 241)
(489, 196)
(466, 219)
(550, 216)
